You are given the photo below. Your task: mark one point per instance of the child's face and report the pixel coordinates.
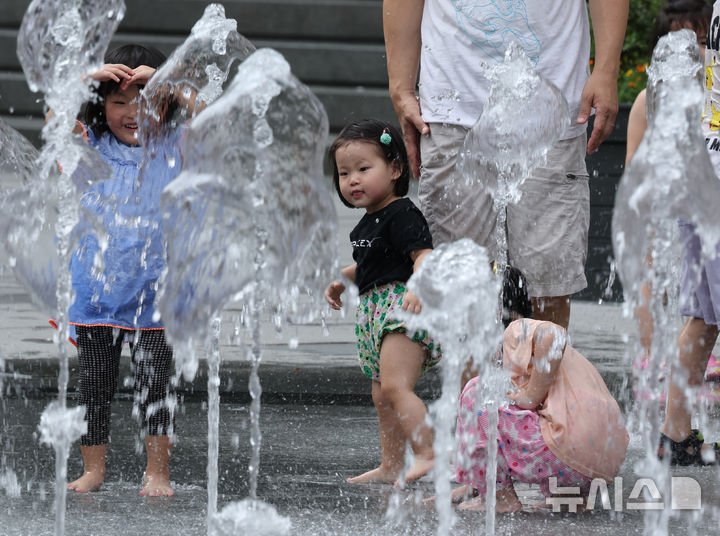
(367, 180)
(121, 109)
(701, 34)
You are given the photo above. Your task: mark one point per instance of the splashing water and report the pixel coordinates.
(459, 300)
(59, 427)
(525, 116)
(29, 209)
(28, 219)
(194, 74)
(9, 482)
(670, 176)
(669, 179)
(250, 207)
(248, 217)
(60, 42)
(249, 517)
(213, 356)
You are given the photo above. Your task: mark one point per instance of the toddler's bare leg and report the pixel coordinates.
(400, 365)
(157, 473)
(94, 469)
(392, 443)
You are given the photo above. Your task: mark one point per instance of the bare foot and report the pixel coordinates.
(461, 493)
(458, 495)
(419, 469)
(379, 474)
(156, 482)
(476, 504)
(506, 500)
(94, 469)
(89, 481)
(157, 485)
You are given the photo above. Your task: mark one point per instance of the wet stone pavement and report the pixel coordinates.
(318, 428)
(307, 452)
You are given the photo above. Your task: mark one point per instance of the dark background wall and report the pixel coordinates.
(334, 46)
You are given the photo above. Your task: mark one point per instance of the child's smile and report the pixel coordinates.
(121, 108)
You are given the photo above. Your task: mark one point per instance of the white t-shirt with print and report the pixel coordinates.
(461, 38)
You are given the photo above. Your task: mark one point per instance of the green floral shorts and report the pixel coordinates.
(374, 320)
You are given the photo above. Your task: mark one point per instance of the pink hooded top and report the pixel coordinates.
(580, 420)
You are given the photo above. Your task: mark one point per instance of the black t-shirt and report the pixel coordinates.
(382, 243)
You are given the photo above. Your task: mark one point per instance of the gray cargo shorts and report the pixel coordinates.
(547, 228)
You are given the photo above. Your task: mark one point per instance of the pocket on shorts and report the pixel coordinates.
(577, 187)
(574, 178)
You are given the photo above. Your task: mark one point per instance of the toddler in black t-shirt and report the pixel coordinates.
(371, 171)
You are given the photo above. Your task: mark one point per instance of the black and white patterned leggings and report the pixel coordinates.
(99, 349)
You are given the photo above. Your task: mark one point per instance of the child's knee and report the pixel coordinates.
(378, 397)
(392, 391)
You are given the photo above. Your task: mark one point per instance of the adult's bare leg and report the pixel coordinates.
(552, 308)
(695, 342)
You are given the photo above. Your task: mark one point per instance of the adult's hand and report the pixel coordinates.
(402, 21)
(412, 125)
(609, 19)
(600, 92)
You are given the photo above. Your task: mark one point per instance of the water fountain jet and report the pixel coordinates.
(670, 178)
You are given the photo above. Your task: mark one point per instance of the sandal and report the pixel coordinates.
(679, 453)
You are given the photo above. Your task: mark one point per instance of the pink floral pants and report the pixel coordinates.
(522, 453)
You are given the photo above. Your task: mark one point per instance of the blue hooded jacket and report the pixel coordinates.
(120, 291)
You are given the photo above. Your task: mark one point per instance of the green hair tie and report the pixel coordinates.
(385, 138)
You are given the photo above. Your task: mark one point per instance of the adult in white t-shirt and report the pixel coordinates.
(452, 42)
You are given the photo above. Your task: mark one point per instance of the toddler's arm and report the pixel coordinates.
(548, 347)
(411, 302)
(336, 288)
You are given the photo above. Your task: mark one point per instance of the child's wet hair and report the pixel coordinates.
(130, 55)
(677, 14)
(515, 297)
(370, 130)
